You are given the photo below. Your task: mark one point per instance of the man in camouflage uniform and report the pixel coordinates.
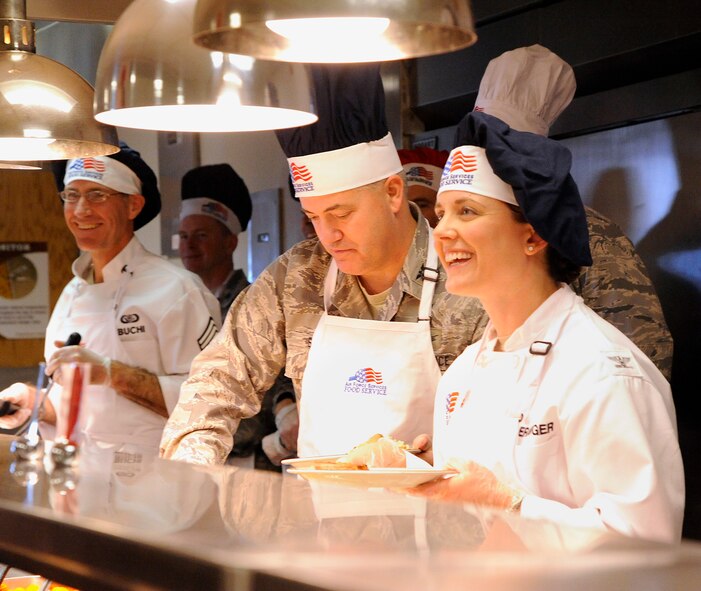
(271, 326)
(618, 288)
(216, 207)
(535, 87)
(528, 88)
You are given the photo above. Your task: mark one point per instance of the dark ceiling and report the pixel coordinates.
(633, 60)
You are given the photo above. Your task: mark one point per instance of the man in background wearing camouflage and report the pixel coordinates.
(528, 88)
(216, 207)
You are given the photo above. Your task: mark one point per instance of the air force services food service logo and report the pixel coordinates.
(216, 210)
(420, 174)
(301, 178)
(450, 402)
(366, 381)
(87, 167)
(460, 169)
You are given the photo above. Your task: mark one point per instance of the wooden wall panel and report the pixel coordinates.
(30, 210)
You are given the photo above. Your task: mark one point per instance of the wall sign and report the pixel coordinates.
(24, 289)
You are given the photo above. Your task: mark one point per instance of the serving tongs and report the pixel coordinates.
(28, 444)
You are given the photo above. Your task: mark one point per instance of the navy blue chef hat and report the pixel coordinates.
(215, 190)
(538, 171)
(132, 160)
(350, 145)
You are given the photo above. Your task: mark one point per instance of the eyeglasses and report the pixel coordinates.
(94, 196)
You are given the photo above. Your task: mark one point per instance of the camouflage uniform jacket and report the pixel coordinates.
(251, 431)
(618, 288)
(271, 326)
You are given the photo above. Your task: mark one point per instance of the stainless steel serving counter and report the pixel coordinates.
(122, 521)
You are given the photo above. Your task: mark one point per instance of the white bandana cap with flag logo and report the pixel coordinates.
(123, 172)
(105, 171)
(216, 191)
(350, 146)
(423, 166)
(468, 169)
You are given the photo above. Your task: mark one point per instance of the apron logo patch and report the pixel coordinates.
(366, 381)
(129, 318)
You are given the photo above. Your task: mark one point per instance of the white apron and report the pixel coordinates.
(484, 405)
(368, 376)
(106, 416)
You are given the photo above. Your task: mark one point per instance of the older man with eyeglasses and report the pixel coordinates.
(142, 319)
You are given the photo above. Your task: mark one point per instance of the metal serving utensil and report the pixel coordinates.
(28, 445)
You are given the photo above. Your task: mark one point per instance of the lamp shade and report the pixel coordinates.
(45, 107)
(151, 75)
(334, 30)
(20, 165)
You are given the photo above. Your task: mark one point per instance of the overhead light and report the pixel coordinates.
(151, 75)
(20, 166)
(334, 31)
(45, 107)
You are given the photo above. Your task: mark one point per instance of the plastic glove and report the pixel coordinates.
(23, 396)
(472, 483)
(273, 448)
(100, 366)
(287, 423)
(282, 444)
(378, 452)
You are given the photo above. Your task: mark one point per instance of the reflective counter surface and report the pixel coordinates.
(121, 520)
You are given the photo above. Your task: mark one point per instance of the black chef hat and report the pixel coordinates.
(538, 171)
(350, 145)
(215, 190)
(132, 160)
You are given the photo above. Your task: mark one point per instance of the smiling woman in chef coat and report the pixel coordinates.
(554, 412)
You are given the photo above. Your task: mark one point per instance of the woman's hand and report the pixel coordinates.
(472, 483)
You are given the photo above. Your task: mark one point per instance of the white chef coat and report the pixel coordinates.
(588, 430)
(146, 313)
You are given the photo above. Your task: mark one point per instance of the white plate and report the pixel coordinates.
(374, 477)
(310, 461)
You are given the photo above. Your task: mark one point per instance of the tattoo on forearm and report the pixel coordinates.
(139, 386)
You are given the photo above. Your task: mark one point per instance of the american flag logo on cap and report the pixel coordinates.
(87, 164)
(215, 209)
(300, 174)
(301, 179)
(462, 163)
(420, 171)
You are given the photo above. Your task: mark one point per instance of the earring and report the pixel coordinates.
(531, 248)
